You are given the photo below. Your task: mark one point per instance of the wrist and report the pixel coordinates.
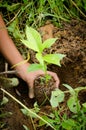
(22, 70)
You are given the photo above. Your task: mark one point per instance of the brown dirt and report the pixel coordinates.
(72, 42)
(43, 90)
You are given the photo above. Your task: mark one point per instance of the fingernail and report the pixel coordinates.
(31, 95)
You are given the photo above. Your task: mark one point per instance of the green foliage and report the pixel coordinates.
(34, 42)
(84, 105)
(77, 118)
(27, 110)
(73, 104)
(36, 13)
(36, 109)
(58, 118)
(68, 124)
(57, 96)
(14, 29)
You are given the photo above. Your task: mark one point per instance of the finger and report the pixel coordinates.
(31, 92)
(57, 83)
(55, 78)
(31, 89)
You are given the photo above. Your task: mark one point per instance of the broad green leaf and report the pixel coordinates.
(34, 67)
(48, 43)
(68, 124)
(53, 58)
(57, 96)
(34, 39)
(73, 105)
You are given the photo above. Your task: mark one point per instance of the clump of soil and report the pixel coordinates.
(43, 89)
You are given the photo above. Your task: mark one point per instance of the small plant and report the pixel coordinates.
(34, 42)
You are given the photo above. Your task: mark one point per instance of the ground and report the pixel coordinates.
(72, 42)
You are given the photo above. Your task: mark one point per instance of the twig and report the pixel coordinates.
(13, 18)
(9, 72)
(6, 68)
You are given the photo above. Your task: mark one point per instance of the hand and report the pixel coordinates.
(29, 77)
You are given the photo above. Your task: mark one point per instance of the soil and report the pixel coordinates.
(43, 89)
(72, 42)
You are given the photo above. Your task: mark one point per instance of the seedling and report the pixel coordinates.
(34, 42)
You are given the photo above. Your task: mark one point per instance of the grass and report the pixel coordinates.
(36, 13)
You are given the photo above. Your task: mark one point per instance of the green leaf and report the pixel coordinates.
(13, 28)
(68, 124)
(40, 58)
(25, 1)
(34, 67)
(57, 96)
(70, 89)
(4, 101)
(13, 7)
(25, 127)
(33, 39)
(84, 105)
(25, 42)
(54, 58)
(25, 112)
(41, 123)
(14, 82)
(73, 105)
(48, 43)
